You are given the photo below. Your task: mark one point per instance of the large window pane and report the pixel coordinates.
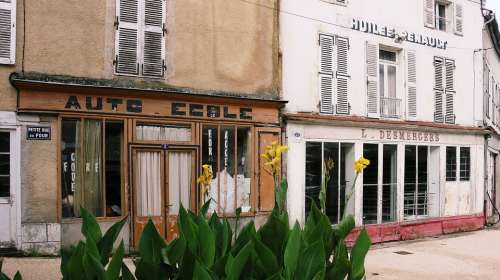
(163, 132)
(71, 169)
(331, 152)
(209, 155)
(464, 164)
(313, 174)
(389, 184)
(226, 167)
(4, 164)
(451, 163)
(244, 170)
(391, 80)
(422, 197)
(92, 189)
(114, 180)
(370, 184)
(410, 181)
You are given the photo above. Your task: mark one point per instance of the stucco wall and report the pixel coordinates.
(39, 173)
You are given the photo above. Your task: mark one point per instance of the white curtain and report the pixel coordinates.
(179, 178)
(163, 133)
(148, 184)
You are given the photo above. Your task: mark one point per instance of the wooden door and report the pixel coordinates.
(181, 170)
(148, 190)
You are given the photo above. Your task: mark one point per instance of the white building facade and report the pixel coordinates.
(397, 82)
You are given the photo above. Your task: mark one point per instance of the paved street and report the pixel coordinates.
(463, 256)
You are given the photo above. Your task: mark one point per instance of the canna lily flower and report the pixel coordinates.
(361, 164)
(329, 164)
(205, 178)
(272, 156)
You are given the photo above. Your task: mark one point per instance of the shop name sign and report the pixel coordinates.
(402, 135)
(137, 106)
(391, 32)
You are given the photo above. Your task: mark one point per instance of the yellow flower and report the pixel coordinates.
(361, 164)
(206, 175)
(329, 164)
(272, 156)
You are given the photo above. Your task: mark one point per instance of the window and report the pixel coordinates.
(317, 153)
(163, 132)
(4, 164)
(416, 193)
(441, 17)
(8, 31)
(140, 38)
(444, 15)
(92, 164)
(227, 149)
(444, 90)
(464, 164)
(389, 103)
(451, 163)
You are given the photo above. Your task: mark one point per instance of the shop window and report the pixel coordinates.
(451, 164)
(389, 183)
(370, 184)
(4, 164)
(416, 183)
(464, 164)
(163, 132)
(341, 177)
(227, 149)
(91, 155)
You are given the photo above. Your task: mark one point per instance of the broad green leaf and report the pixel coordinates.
(187, 267)
(75, 262)
(200, 273)
(92, 266)
(126, 274)
(358, 254)
(312, 261)
(237, 265)
(175, 250)
(188, 229)
(206, 241)
(345, 227)
(90, 227)
(267, 257)
(341, 265)
(247, 234)
(281, 195)
(205, 207)
(113, 271)
(292, 251)
(18, 276)
(274, 234)
(151, 244)
(105, 245)
(65, 257)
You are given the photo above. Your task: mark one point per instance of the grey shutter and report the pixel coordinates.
(438, 89)
(412, 84)
(153, 61)
(459, 19)
(450, 91)
(127, 37)
(326, 73)
(342, 75)
(7, 31)
(372, 79)
(429, 13)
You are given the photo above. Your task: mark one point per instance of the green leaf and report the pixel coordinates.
(105, 245)
(247, 234)
(175, 251)
(18, 276)
(312, 261)
(151, 244)
(345, 227)
(204, 208)
(187, 267)
(113, 271)
(267, 257)
(188, 229)
(75, 262)
(92, 267)
(281, 195)
(206, 241)
(126, 274)
(237, 265)
(292, 251)
(341, 265)
(274, 234)
(66, 254)
(358, 254)
(200, 273)
(90, 227)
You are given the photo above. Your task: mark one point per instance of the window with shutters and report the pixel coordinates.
(333, 74)
(140, 38)
(7, 31)
(390, 102)
(444, 90)
(444, 15)
(486, 89)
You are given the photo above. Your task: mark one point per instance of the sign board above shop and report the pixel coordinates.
(393, 33)
(146, 106)
(400, 135)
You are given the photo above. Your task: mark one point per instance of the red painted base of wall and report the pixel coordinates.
(420, 228)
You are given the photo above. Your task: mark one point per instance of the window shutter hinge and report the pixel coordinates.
(115, 61)
(117, 22)
(164, 29)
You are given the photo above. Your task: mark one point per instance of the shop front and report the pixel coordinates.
(137, 153)
(423, 179)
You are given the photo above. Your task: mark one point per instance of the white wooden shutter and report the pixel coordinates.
(7, 31)
(127, 37)
(342, 75)
(372, 79)
(459, 18)
(326, 43)
(438, 89)
(450, 91)
(412, 84)
(429, 13)
(153, 61)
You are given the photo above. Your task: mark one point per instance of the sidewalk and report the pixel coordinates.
(474, 255)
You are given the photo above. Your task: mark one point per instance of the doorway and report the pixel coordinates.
(162, 179)
(9, 190)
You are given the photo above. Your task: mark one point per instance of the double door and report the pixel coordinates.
(163, 179)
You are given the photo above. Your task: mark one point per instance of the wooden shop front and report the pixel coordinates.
(138, 153)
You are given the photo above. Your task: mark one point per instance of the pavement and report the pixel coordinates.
(473, 255)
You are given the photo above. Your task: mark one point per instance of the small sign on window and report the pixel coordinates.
(38, 133)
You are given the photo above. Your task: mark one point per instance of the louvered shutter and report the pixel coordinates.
(438, 89)
(372, 79)
(412, 84)
(450, 91)
(127, 37)
(326, 43)
(429, 13)
(7, 31)
(459, 19)
(342, 75)
(154, 38)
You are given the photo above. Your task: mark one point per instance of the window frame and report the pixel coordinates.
(135, 122)
(467, 165)
(9, 176)
(124, 163)
(454, 163)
